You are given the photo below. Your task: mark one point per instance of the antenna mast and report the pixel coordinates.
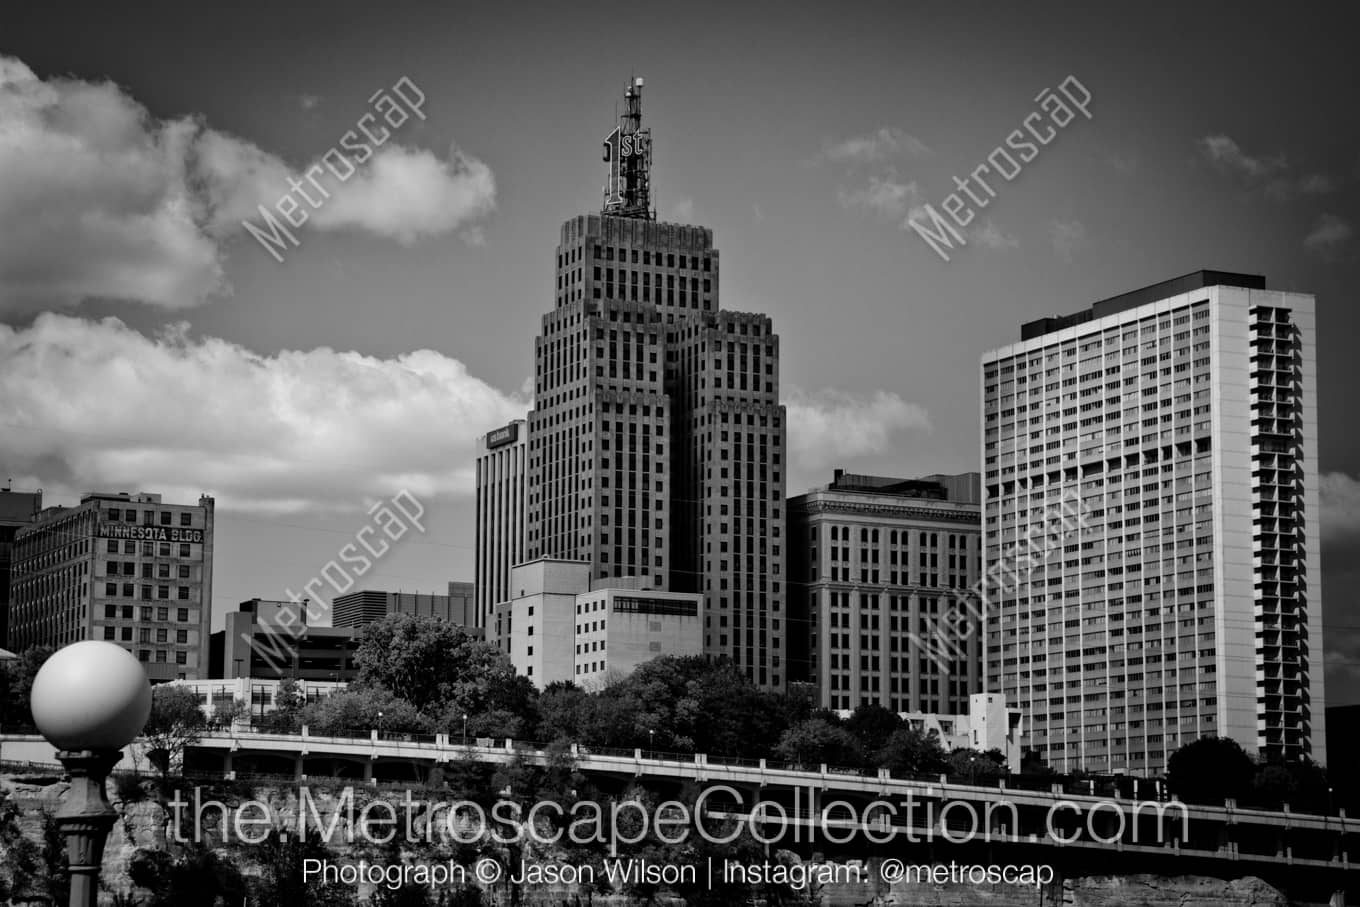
(628, 151)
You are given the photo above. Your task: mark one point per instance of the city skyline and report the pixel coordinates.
(890, 398)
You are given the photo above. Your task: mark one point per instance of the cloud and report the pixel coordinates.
(1223, 151)
(832, 425)
(1068, 237)
(992, 237)
(1273, 175)
(1339, 498)
(884, 196)
(888, 142)
(1328, 235)
(95, 405)
(102, 200)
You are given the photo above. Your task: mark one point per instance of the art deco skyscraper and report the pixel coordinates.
(1188, 603)
(657, 441)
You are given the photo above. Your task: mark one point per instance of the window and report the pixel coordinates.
(183, 593)
(182, 615)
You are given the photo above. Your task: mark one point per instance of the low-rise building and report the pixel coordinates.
(361, 608)
(271, 640)
(559, 627)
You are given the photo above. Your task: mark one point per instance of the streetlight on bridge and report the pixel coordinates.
(89, 700)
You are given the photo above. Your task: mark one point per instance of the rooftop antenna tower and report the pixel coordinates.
(628, 151)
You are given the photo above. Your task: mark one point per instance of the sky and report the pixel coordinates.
(149, 342)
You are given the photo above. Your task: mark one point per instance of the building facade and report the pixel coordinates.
(17, 510)
(359, 609)
(127, 568)
(502, 481)
(656, 441)
(1187, 600)
(271, 640)
(563, 624)
(875, 565)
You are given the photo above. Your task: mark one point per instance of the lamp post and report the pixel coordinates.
(465, 729)
(89, 700)
(651, 743)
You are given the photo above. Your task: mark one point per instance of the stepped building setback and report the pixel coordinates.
(656, 444)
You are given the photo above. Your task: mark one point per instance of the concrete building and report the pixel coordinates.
(127, 568)
(1187, 600)
(271, 640)
(17, 510)
(875, 565)
(359, 609)
(657, 441)
(564, 625)
(502, 476)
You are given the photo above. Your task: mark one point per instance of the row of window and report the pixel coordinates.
(115, 515)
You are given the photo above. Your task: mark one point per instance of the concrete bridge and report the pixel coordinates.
(823, 808)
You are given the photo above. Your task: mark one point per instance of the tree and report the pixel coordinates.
(423, 659)
(910, 751)
(872, 724)
(20, 858)
(1210, 770)
(175, 724)
(360, 710)
(817, 741)
(289, 701)
(197, 875)
(228, 711)
(970, 766)
(282, 883)
(561, 706)
(1031, 763)
(16, 682)
(1302, 785)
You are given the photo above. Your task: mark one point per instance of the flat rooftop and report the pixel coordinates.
(1186, 283)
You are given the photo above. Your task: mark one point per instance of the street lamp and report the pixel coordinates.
(89, 700)
(465, 729)
(651, 742)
